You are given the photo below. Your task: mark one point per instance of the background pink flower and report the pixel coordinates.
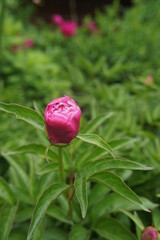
(149, 80)
(28, 43)
(57, 19)
(15, 48)
(68, 28)
(92, 26)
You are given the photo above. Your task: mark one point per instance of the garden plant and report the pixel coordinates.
(84, 161)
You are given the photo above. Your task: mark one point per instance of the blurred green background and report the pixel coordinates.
(114, 68)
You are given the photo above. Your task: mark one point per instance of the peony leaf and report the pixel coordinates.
(49, 168)
(36, 149)
(6, 192)
(111, 229)
(115, 183)
(135, 219)
(78, 232)
(43, 203)
(24, 113)
(95, 140)
(6, 220)
(81, 192)
(98, 121)
(104, 164)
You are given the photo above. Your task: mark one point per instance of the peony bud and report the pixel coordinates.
(149, 233)
(15, 48)
(62, 120)
(149, 80)
(92, 26)
(57, 19)
(29, 43)
(68, 28)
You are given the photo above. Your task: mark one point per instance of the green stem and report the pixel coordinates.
(61, 168)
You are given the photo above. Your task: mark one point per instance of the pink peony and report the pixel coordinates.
(57, 19)
(36, 1)
(28, 43)
(62, 120)
(149, 233)
(149, 80)
(15, 48)
(68, 28)
(92, 26)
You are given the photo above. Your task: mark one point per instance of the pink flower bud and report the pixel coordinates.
(57, 19)
(62, 120)
(15, 48)
(28, 43)
(92, 26)
(68, 28)
(36, 1)
(149, 233)
(149, 80)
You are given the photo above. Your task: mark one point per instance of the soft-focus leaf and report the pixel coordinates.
(17, 234)
(97, 194)
(135, 219)
(6, 220)
(98, 121)
(6, 192)
(57, 213)
(24, 214)
(78, 232)
(117, 185)
(113, 203)
(104, 164)
(112, 230)
(39, 232)
(43, 203)
(21, 173)
(81, 192)
(37, 149)
(55, 233)
(24, 113)
(95, 140)
(49, 168)
(116, 144)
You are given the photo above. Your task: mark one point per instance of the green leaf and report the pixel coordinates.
(24, 214)
(55, 233)
(134, 218)
(20, 171)
(117, 185)
(105, 164)
(57, 213)
(43, 203)
(116, 144)
(98, 121)
(95, 140)
(97, 194)
(78, 232)
(24, 113)
(49, 168)
(111, 229)
(39, 232)
(17, 234)
(6, 192)
(37, 149)
(113, 203)
(81, 192)
(6, 220)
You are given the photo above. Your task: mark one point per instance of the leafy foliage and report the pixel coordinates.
(108, 78)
